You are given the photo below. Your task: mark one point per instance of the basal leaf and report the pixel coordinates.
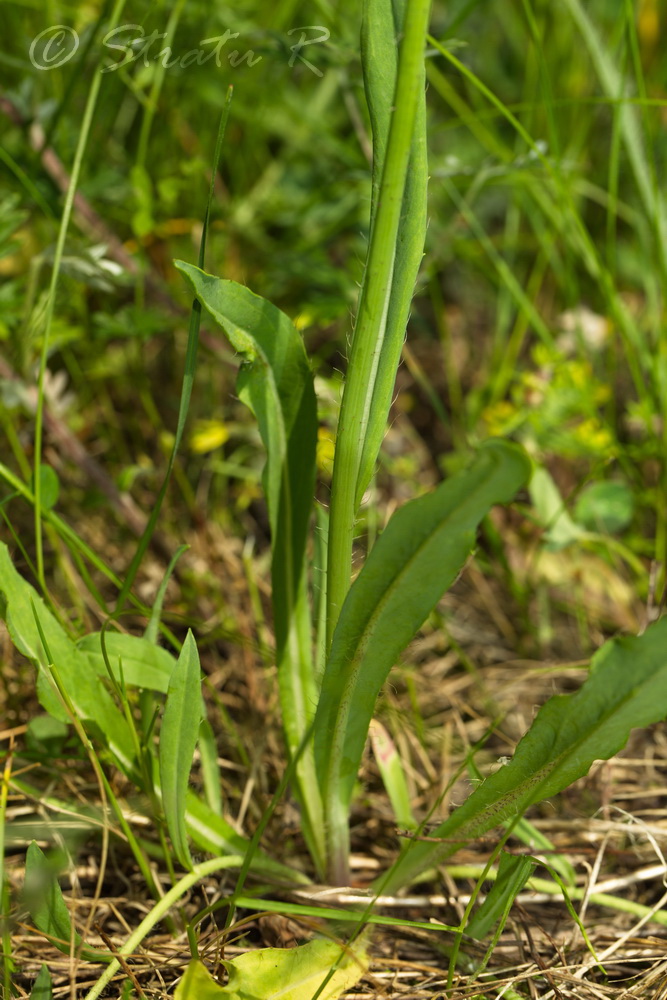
(278, 974)
(626, 689)
(415, 559)
(178, 739)
(197, 983)
(44, 900)
(89, 697)
(513, 873)
(276, 382)
(145, 665)
(212, 833)
(42, 988)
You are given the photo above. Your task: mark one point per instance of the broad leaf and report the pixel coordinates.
(279, 974)
(89, 697)
(626, 689)
(607, 507)
(178, 739)
(49, 486)
(144, 665)
(415, 559)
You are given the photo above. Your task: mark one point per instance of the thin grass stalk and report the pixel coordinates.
(188, 379)
(50, 305)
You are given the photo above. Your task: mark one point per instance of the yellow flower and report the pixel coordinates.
(326, 443)
(208, 435)
(593, 435)
(498, 416)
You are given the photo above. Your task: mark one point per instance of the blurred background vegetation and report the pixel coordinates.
(539, 313)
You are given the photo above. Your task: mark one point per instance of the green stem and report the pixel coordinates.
(158, 913)
(372, 346)
(356, 409)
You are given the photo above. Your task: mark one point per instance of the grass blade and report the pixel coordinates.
(392, 774)
(188, 382)
(513, 873)
(416, 558)
(178, 739)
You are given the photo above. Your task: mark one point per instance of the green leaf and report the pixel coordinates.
(416, 558)
(43, 897)
(560, 529)
(605, 507)
(392, 774)
(279, 974)
(197, 983)
(178, 739)
(382, 24)
(89, 698)
(46, 736)
(210, 769)
(211, 832)
(513, 873)
(394, 82)
(41, 988)
(144, 664)
(276, 382)
(626, 689)
(50, 486)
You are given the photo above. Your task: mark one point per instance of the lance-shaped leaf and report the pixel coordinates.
(178, 739)
(44, 900)
(415, 559)
(626, 689)
(42, 988)
(20, 606)
(382, 24)
(276, 382)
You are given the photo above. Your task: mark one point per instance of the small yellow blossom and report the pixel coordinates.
(208, 435)
(326, 444)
